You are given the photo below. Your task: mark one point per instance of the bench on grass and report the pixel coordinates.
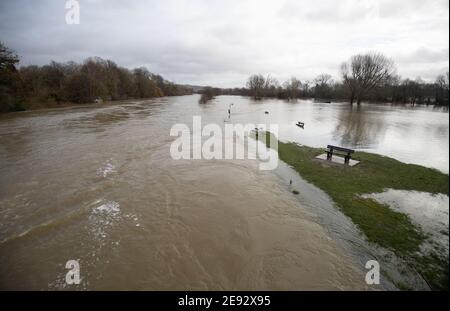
(300, 124)
(339, 150)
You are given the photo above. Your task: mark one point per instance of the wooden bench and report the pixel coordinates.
(340, 150)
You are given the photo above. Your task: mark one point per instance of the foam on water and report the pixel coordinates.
(106, 169)
(111, 208)
(103, 218)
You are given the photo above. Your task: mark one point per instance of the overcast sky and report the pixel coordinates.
(220, 43)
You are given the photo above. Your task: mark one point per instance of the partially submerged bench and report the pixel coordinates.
(347, 153)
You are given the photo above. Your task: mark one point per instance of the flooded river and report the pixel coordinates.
(97, 184)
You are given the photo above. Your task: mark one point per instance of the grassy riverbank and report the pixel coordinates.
(381, 225)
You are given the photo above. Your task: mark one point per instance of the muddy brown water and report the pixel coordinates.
(97, 184)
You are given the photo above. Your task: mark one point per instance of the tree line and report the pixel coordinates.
(370, 77)
(58, 83)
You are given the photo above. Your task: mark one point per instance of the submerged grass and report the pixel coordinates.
(380, 224)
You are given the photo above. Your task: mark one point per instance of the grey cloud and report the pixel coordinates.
(425, 55)
(222, 42)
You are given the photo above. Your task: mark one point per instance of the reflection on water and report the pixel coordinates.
(418, 135)
(98, 184)
(359, 130)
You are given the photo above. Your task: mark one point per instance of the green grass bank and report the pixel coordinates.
(381, 225)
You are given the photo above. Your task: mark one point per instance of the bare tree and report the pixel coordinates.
(8, 58)
(10, 82)
(442, 89)
(292, 87)
(208, 93)
(305, 88)
(443, 81)
(271, 86)
(323, 80)
(323, 84)
(365, 72)
(256, 85)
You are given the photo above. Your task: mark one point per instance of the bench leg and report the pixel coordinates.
(347, 159)
(329, 155)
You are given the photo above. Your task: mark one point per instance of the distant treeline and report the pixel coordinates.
(59, 83)
(370, 77)
(209, 93)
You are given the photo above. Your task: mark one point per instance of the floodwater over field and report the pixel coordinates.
(429, 211)
(418, 134)
(97, 184)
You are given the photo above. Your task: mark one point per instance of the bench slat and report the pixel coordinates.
(332, 148)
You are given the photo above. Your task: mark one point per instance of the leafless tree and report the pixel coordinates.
(323, 80)
(256, 84)
(363, 73)
(271, 86)
(442, 89)
(305, 87)
(323, 86)
(292, 88)
(8, 58)
(443, 81)
(270, 82)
